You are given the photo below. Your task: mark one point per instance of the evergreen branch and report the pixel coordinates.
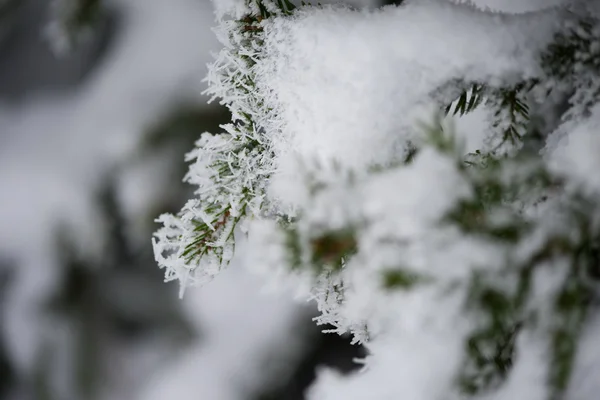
(467, 101)
(231, 169)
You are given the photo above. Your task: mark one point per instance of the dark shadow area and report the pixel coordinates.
(28, 64)
(324, 350)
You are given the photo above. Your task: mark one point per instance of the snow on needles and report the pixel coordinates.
(576, 155)
(329, 84)
(350, 85)
(318, 166)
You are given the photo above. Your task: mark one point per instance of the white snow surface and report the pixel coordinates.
(513, 6)
(351, 86)
(576, 154)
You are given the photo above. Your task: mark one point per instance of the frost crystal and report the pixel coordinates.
(470, 270)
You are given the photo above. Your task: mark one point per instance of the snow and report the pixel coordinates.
(529, 375)
(576, 154)
(584, 386)
(428, 356)
(351, 86)
(335, 92)
(233, 8)
(514, 6)
(56, 150)
(248, 338)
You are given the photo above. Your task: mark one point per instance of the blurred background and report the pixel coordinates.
(99, 101)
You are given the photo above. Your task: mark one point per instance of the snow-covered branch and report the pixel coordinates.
(471, 270)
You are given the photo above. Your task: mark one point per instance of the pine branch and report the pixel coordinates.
(231, 169)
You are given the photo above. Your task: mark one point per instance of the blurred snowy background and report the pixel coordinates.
(91, 151)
